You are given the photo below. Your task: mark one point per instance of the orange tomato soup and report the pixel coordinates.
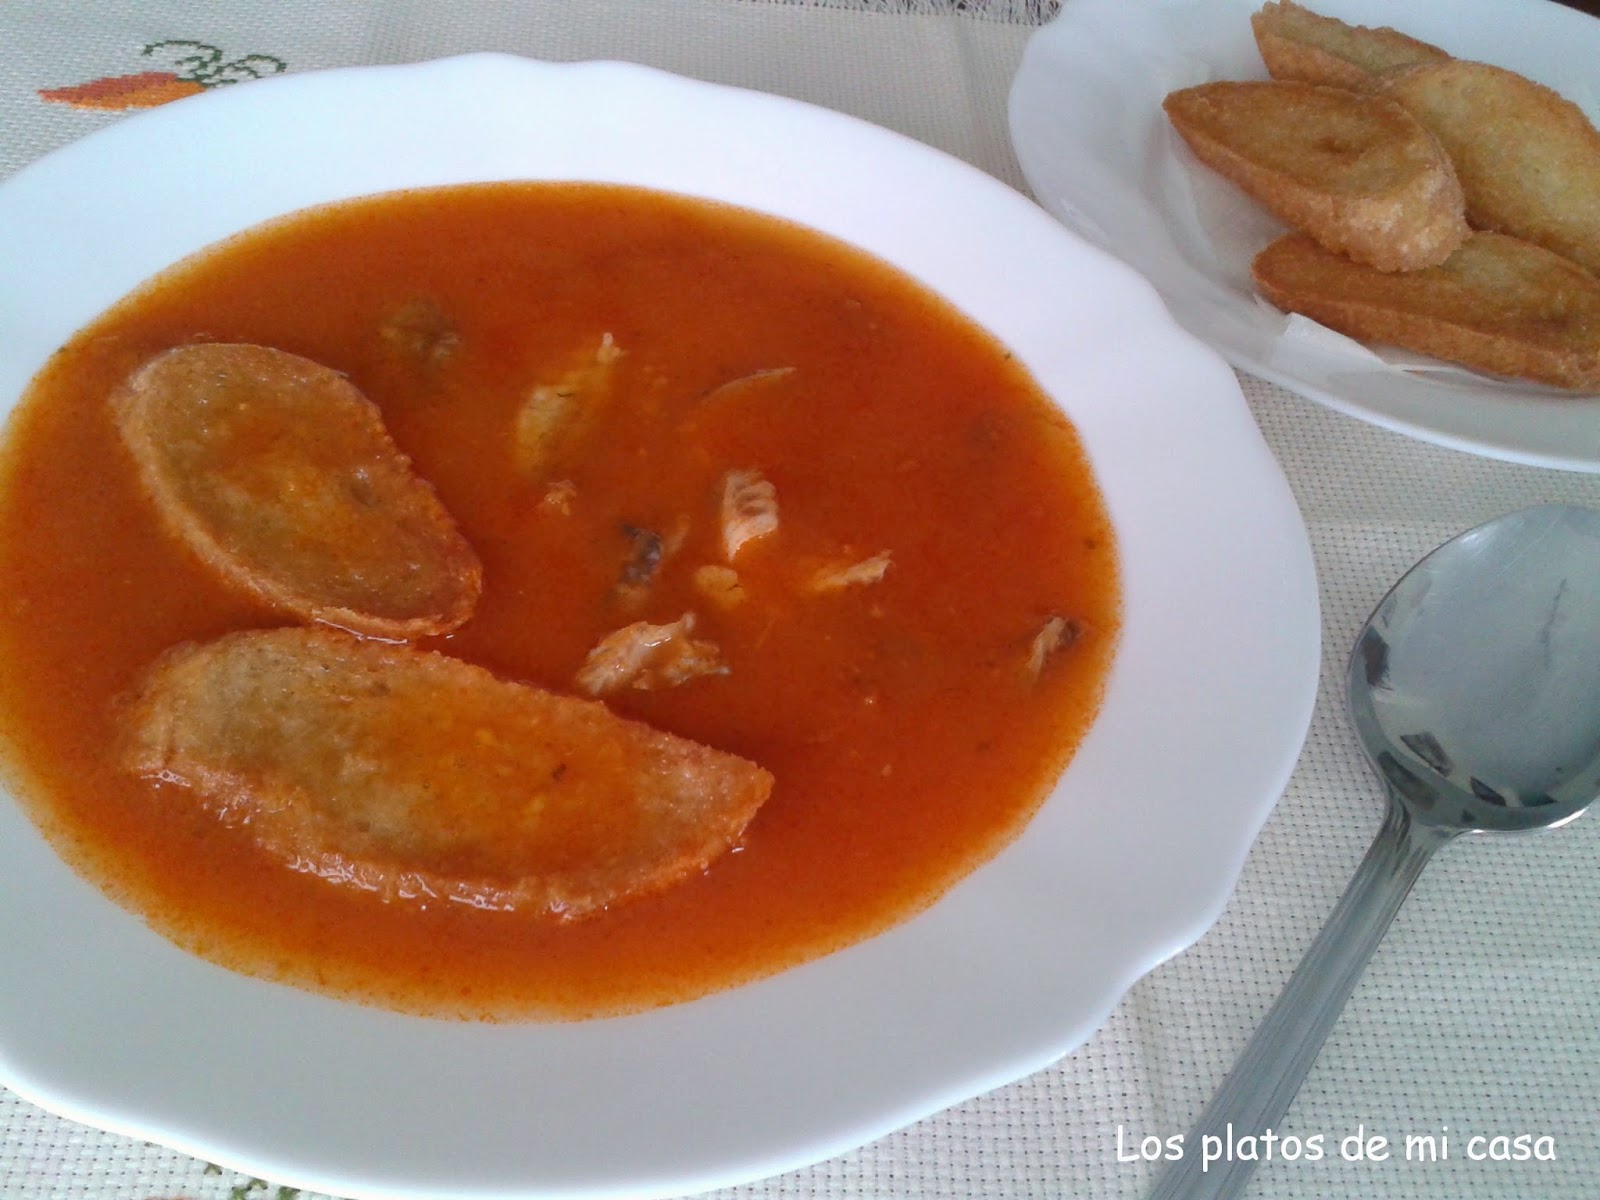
(913, 723)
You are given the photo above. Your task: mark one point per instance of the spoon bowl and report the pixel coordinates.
(1473, 684)
(1473, 689)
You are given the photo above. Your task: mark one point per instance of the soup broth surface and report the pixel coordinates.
(913, 721)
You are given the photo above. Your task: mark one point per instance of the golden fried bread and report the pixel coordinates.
(421, 777)
(1498, 304)
(1528, 160)
(1296, 43)
(1356, 172)
(280, 474)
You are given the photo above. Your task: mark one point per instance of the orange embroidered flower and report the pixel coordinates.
(198, 67)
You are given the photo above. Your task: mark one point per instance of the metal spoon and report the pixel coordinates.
(1473, 687)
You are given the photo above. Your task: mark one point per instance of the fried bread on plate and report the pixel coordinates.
(1528, 159)
(1356, 172)
(1296, 43)
(1498, 304)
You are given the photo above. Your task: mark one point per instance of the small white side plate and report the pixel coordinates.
(1099, 153)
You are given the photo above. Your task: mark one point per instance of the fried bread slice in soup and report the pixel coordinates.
(418, 776)
(1296, 43)
(1528, 158)
(281, 476)
(1356, 172)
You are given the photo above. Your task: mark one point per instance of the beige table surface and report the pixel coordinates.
(1480, 1013)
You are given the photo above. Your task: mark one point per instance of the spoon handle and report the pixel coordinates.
(1268, 1074)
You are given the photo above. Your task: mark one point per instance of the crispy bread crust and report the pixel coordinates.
(1296, 43)
(423, 778)
(1499, 305)
(1528, 159)
(1356, 172)
(280, 475)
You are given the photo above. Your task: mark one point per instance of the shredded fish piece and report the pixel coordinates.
(719, 584)
(836, 577)
(649, 658)
(724, 390)
(558, 497)
(421, 330)
(608, 352)
(1056, 634)
(555, 416)
(749, 510)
